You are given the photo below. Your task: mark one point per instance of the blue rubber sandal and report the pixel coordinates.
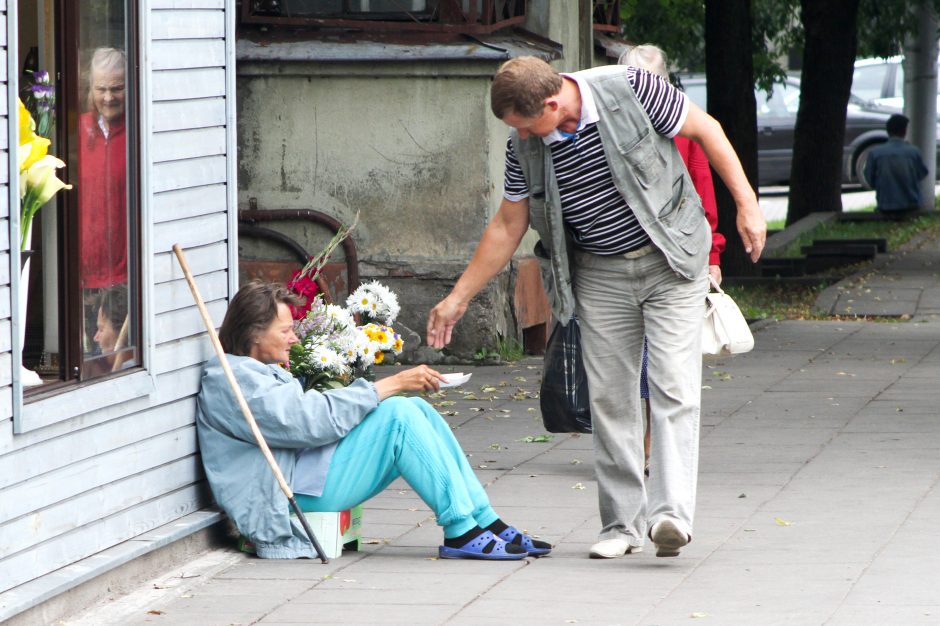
(511, 533)
(473, 549)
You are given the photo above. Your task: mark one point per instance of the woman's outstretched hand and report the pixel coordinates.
(421, 378)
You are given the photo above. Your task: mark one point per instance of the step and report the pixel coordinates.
(879, 242)
(863, 251)
(783, 267)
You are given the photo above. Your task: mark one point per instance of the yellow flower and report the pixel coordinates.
(32, 146)
(27, 125)
(379, 357)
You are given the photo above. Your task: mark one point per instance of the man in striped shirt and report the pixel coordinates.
(591, 166)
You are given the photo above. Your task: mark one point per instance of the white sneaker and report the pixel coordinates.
(612, 548)
(668, 538)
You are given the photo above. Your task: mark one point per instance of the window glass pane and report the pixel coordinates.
(104, 227)
(868, 81)
(81, 311)
(772, 104)
(697, 93)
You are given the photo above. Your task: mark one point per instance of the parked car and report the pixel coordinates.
(776, 120)
(880, 82)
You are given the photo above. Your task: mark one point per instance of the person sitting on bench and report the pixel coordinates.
(894, 170)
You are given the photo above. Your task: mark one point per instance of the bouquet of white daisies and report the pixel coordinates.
(333, 350)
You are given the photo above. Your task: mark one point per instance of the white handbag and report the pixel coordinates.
(725, 330)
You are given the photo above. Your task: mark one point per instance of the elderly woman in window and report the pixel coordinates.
(102, 180)
(338, 448)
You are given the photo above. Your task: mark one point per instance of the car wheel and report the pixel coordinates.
(859, 168)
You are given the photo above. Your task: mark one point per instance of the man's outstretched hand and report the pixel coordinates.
(442, 319)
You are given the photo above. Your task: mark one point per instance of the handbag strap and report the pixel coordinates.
(713, 284)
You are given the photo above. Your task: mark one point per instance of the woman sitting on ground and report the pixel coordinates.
(336, 449)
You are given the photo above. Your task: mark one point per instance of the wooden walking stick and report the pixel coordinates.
(246, 411)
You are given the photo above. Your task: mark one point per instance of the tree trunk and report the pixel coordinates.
(920, 102)
(730, 69)
(829, 54)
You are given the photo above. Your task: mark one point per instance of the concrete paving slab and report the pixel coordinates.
(836, 525)
(927, 615)
(368, 613)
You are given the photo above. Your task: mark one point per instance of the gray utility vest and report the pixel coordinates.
(647, 171)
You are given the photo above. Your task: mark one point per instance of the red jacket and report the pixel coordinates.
(700, 172)
(102, 203)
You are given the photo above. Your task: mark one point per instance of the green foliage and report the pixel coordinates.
(776, 301)
(883, 25)
(485, 354)
(795, 301)
(678, 27)
(507, 349)
(896, 233)
(775, 30)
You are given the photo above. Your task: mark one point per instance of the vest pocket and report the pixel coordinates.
(537, 219)
(684, 226)
(645, 161)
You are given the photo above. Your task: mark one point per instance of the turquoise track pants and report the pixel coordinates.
(405, 437)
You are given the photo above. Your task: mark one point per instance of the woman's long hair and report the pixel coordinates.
(250, 313)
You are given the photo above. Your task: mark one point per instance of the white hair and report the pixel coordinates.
(104, 60)
(647, 57)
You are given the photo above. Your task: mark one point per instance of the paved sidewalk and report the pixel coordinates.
(903, 284)
(818, 500)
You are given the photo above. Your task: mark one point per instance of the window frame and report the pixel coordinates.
(69, 398)
(606, 16)
(479, 20)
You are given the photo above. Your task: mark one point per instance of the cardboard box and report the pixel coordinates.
(335, 531)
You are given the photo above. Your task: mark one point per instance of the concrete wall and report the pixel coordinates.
(411, 145)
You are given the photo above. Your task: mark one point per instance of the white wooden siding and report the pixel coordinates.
(6, 328)
(183, 114)
(91, 538)
(201, 260)
(108, 471)
(179, 204)
(175, 295)
(188, 53)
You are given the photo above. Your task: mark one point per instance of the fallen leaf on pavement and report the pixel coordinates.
(537, 439)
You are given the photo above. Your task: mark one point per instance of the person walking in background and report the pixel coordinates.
(894, 170)
(652, 59)
(591, 165)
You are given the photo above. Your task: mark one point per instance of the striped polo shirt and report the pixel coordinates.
(596, 215)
